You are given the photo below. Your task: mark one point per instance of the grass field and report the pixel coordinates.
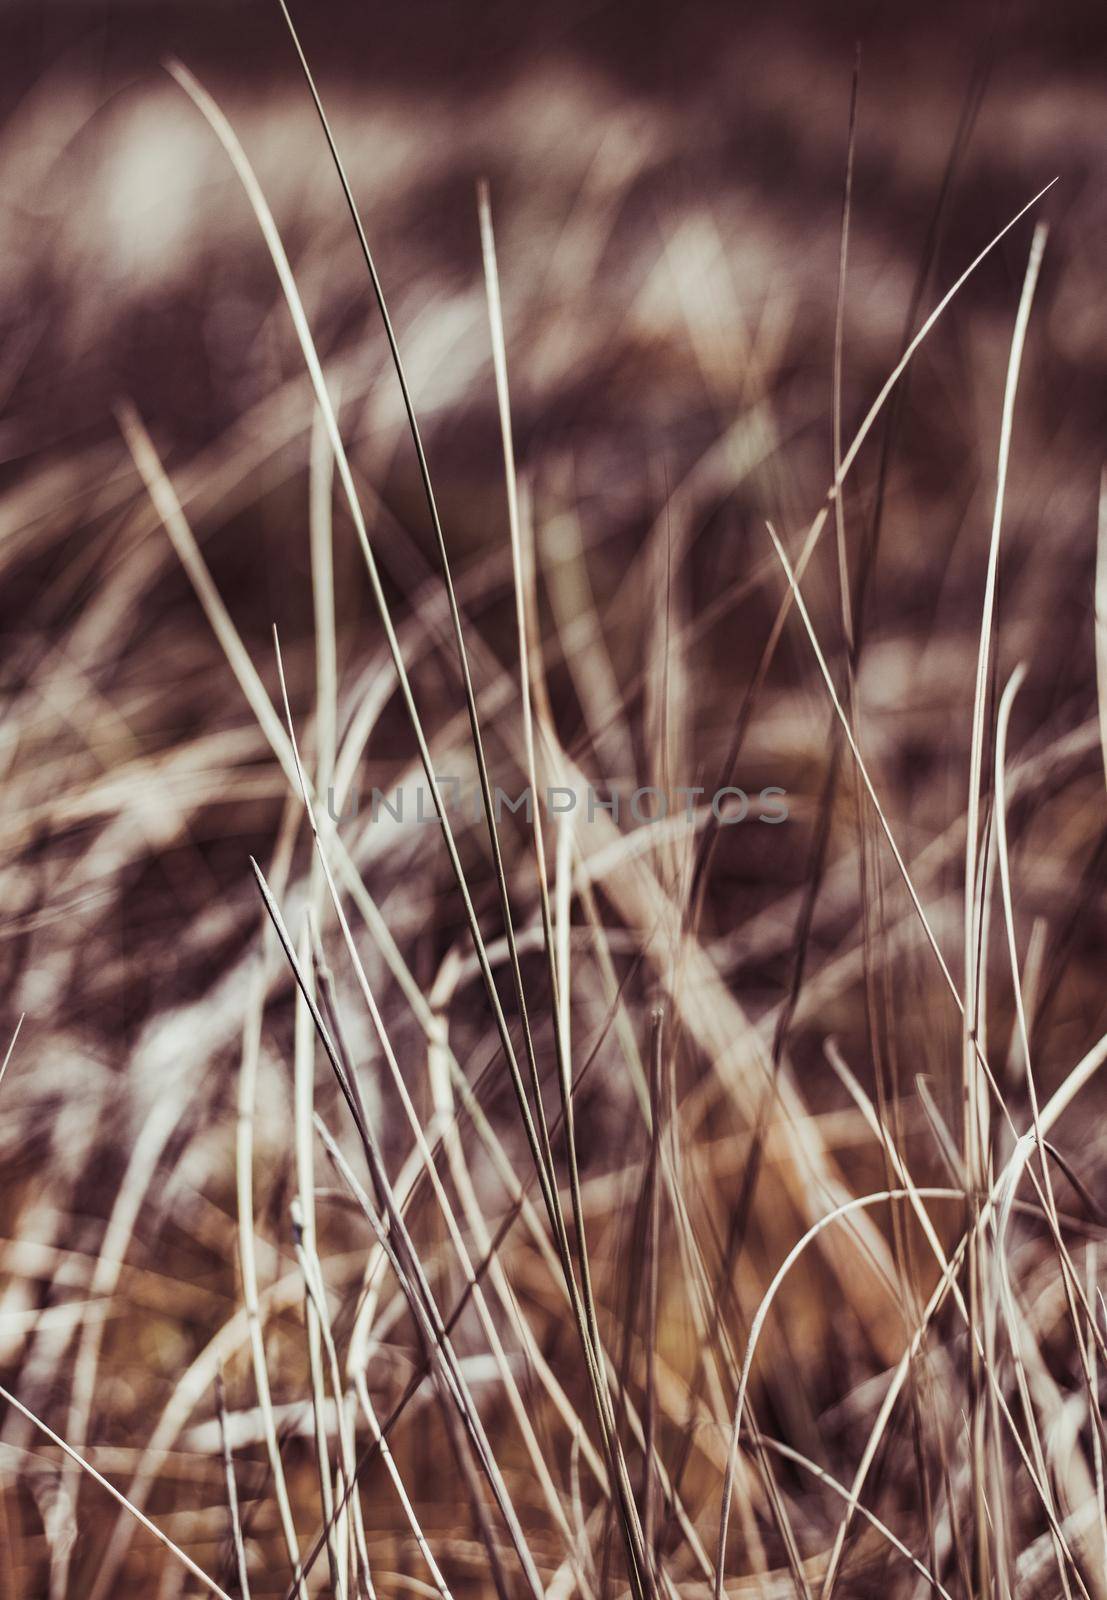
(554, 739)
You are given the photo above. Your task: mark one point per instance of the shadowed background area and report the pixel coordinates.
(666, 189)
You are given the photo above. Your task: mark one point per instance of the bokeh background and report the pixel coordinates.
(667, 191)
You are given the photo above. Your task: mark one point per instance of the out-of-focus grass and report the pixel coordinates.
(759, 1033)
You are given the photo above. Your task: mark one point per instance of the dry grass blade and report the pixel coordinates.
(846, 1209)
(975, 1131)
(11, 1047)
(839, 340)
(173, 519)
(226, 135)
(140, 1517)
(1101, 616)
(636, 1544)
(232, 1490)
(793, 583)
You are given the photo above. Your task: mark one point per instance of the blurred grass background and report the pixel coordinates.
(667, 191)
